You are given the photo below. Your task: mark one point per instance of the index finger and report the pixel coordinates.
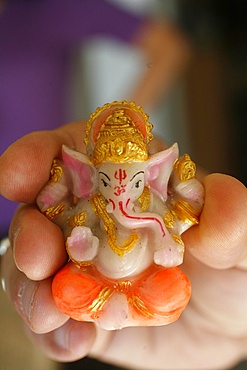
(25, 165)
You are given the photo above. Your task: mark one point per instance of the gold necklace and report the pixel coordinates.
(99, 206)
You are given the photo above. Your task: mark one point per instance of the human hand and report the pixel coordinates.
(212, 331)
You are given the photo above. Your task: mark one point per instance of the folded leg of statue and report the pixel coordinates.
(160, 297)
(74, 290)
(156, 297)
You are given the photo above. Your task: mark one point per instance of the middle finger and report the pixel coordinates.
(32, 299)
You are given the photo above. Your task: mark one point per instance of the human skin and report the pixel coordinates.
(212, 331)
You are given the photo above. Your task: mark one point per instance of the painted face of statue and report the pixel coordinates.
(121, 182)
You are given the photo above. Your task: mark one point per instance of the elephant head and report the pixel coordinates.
(118, 164)
(122, 184)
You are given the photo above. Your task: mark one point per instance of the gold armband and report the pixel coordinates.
(185, 213)
(185, 167)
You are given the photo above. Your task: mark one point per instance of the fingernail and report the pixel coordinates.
(61, 338)
(4, 245)
(3, 284)
(14, 235)
(81, 337)
(26, 298)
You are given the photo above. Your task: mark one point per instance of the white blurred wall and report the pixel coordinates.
(108, 70)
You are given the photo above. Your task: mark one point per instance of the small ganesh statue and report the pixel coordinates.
(122, 212)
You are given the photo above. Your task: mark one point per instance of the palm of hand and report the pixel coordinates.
(211, 333)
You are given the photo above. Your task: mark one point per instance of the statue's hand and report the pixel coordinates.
(169, 256)
(82, 245)
(191, 190)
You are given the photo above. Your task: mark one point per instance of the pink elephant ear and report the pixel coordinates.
(83, 177)
(159, 168)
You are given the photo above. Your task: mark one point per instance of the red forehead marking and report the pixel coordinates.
(120, 175)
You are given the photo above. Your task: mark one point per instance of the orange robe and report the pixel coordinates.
(155, 297)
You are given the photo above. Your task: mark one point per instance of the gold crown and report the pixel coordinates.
(118, 132)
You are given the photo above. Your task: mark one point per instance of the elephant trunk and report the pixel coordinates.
(131, 220)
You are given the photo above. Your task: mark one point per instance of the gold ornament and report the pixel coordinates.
(56, 172)
(185, 167)
(118, 132)
(123, 286)
(100, 301)
(185, 213)
(77, 220)
(140, 306)
(144, 199)
(54, 211)
(169, 220)
(99, 207)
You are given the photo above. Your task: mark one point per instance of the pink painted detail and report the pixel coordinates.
(51, 194)
(82, 245)
(159, 168)
(142, 218)
(83, 174)
(47, 198)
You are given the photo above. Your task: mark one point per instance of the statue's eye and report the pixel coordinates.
(104, 183)
(137, 184)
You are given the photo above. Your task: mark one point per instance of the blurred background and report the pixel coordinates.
(204, 110)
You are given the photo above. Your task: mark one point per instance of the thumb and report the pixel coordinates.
(220, 239)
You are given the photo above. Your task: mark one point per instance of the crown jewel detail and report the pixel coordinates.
(118, 132)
